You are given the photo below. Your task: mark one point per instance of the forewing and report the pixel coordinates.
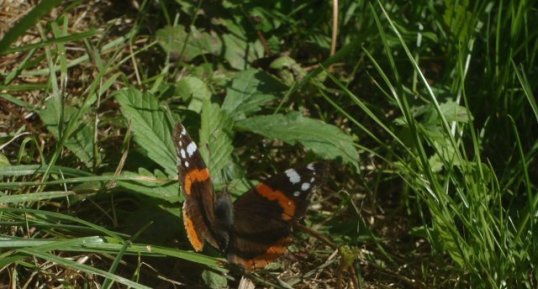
(264, 215)
(199, 205)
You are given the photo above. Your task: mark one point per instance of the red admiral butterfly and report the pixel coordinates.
(256, 228)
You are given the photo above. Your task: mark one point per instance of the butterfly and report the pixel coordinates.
(256, 228)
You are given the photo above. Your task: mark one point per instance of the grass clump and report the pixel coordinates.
(425, 115)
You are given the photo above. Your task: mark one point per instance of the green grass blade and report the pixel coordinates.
(27, 22)
(34, 197)
(83, 268)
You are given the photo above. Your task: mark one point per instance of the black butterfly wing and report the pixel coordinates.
(199, 205)
(264, 215)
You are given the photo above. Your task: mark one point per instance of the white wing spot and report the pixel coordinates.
(296, 193)
(191, 148)
(183, 130)
(186, 163)
(182, 152)
(312, 179)
(293, 176)
(305, 186)
(311, 167)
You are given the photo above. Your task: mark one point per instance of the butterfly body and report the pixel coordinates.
(256, 228)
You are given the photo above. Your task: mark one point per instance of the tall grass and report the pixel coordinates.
(457, 143)
(440, 95)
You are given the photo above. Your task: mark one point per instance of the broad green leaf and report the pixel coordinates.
(249, 91)
(454, 112)
(238, 52)
(215, 140)
(150, 127)
(288, 69)
(80, 141)
(176, 40)
(194, 90)
(214, 280)
(458, 18)
(323, 139)
(154, 185)
(4, 162)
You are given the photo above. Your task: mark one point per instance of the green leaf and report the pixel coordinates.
(323, 139)
(4, 162)
(194, 90)
(249, 91)
(215, 140)
(150, 127)
(214, 280)
(458, 19)
(288, 69)
(454, 112)
(80, 141)
(176, 40)
(238, 52)
(154, 185)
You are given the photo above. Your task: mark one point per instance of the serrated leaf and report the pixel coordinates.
(153, 185)
(457, 18)
(150, 127)
(4, 162)
(288, 69)
(214, 280)
(194, 90)
(80, 142)
(238, 52)
(454, 112)
(249, 91)
(176, 40)
(215, 141)
(323, 139)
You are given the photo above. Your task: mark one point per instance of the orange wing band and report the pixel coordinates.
(287, 204)
(267, 257)
(194, 176)
(195, 240)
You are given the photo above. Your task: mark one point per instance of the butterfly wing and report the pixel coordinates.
(264, 215)
(199, 206)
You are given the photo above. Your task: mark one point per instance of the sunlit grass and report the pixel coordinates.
(438, 99)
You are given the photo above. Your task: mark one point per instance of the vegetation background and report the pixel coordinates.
(424, 111)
